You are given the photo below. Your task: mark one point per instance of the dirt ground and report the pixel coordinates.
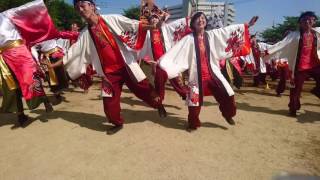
(71, 142)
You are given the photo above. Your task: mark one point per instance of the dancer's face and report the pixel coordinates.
(154, 21)
(200, 23)
(85, 9)
(74, 27)
(307, 22)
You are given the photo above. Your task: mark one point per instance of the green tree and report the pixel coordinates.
(7, 4)
(62, 14)
(277, 32)
(132, 12)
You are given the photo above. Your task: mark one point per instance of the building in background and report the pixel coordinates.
(218, 13)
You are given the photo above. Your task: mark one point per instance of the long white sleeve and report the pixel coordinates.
(287, 48)
(178, 59)
(230, 41)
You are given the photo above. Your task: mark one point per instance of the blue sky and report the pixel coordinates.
(270, 11)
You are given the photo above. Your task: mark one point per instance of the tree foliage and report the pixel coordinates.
(132, 12)
(277, 32)
(63, 14)
(7, 4)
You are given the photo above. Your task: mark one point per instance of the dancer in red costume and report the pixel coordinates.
(105, 42)
(153, 17)
(19, 72)
(301, 48)
(200, 53)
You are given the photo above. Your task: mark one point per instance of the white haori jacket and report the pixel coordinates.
(126, 33)
(8, 30)
(250, 58)
(171, 32)
(230, 41)
(46, 46)
(289, 47)
(263, 47)
(63, 44)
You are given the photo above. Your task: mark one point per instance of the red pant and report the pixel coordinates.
(227, 103)
(259, 79)
(299, 79)
(161, 76)
(142, 90)
(160, 80)
(283, 76)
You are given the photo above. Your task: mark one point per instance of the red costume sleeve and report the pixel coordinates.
(71, 35)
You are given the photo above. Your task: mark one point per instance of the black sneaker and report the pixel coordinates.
(162, 111)
(22, 119)
(190, 129)
(314, 92)
(230, 121)
(114, 129)
(48, 107)
(293, 113)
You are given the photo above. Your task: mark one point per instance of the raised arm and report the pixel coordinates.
(71, 35)
(231, 41)
(287, 48)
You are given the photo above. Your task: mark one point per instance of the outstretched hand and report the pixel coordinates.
(253, 21)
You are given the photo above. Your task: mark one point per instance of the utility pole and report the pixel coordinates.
(197, 3)
(226, 11)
